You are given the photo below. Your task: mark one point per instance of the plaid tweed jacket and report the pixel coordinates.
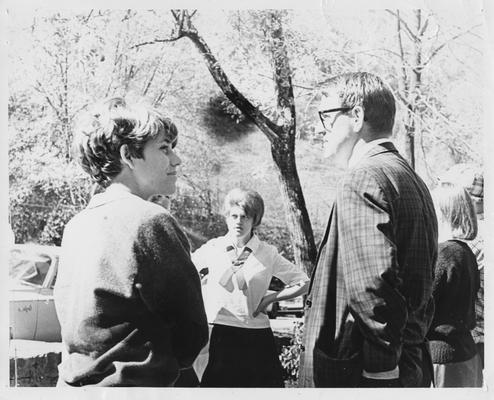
(370, 300)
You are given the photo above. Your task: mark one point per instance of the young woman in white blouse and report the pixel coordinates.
(242, 351)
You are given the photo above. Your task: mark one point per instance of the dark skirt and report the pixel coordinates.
(240, 357)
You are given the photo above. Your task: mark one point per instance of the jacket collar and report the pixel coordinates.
(383, 147)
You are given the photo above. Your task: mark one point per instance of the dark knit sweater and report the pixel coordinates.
(456, 282)
(127, 295)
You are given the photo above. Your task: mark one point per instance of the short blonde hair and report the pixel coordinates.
(248, 200)
(455, 207)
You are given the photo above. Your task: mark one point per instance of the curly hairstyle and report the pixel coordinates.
(111, 124)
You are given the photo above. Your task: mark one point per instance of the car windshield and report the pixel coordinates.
(29, 267)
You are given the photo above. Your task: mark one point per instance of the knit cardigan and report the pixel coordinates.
(127, 295)
(456, 282)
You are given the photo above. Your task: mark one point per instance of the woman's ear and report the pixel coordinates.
(125, 156)
(358, 118)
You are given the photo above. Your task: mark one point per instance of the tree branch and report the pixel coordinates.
(446, 120)
(39, 87)
(282, 75)
(153, 74)
(424, 28)
(293, 84)
(171, 39)
(178, 31)
(187, 29)
(412, 35)
(404, 77)
(439, 48)
(86, 19)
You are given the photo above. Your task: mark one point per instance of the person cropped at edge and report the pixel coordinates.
(370, 303)
(127, 294)
(240, 266)
(471, 177)
(456, 282)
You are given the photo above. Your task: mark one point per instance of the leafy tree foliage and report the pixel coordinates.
(62, 61)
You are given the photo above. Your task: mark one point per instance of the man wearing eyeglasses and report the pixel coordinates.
(370, 306)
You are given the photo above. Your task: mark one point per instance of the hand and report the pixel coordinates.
(265, 302)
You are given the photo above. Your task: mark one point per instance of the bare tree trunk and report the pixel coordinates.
(404, 87)
(409, 150)
(297, 217)
(411, 70)
(280, 134)
(65, 103)
(283, 152)
(415, 87)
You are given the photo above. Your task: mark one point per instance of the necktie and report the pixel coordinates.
(235, 269)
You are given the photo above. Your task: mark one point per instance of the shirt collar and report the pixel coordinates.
(112, 193)
(252, 244)
(361, 148)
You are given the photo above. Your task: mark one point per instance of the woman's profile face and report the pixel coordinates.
(156, 171)
(239, 224)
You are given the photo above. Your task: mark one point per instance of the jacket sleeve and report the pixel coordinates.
(368, 259)
(169, 285)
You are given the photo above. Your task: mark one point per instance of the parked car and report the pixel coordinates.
(32, 275)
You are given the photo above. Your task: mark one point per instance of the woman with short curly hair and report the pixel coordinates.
(127, 294)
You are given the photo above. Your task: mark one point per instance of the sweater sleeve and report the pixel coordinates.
(169, 285)
(445, 275)
(202, 256)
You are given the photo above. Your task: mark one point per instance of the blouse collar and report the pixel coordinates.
(252, 244)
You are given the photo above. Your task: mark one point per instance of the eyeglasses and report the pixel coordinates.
(324, 117)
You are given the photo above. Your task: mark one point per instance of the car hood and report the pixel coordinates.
(19, 292)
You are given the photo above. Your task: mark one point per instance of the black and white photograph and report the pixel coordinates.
(275, 195)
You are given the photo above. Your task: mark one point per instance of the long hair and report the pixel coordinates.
(455, 207)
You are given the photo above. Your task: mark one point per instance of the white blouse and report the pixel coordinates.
(235, 308)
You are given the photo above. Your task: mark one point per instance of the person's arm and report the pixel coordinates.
(169, 285)
(297, 282)
(370, 270)
(201, 258)
(288, 292)
(445, 277)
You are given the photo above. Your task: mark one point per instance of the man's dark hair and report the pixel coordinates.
(369, 91)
